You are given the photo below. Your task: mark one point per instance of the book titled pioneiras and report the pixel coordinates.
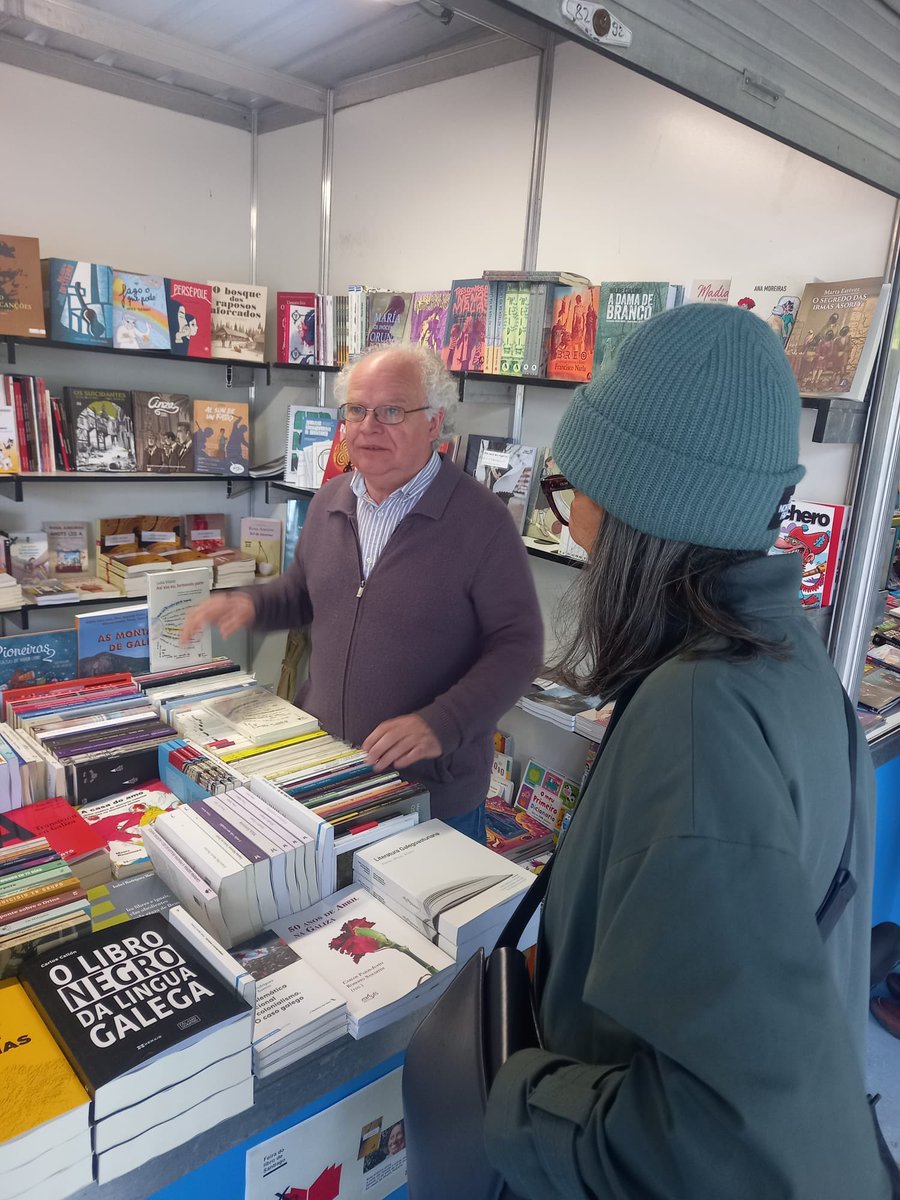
(135, 1010)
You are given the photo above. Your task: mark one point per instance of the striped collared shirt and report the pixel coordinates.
(378, 521)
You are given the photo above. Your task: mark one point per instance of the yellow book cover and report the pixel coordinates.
(36, 1081)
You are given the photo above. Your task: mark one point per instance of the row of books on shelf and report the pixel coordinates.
(110, 429)
(544, 324)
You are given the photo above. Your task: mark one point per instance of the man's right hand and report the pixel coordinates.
(229, 614)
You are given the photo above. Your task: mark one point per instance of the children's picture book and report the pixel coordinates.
(29, 556)
(113, 640)
(830, 349)
(189, 310)
(67, 544)
(573, 332)
(79, 302)
(221, 437)
(428, 319)
(21, 291)
(140, 316)
(310, 433)
(815, 532)
(464, 338)
(163, 431)
(170, 597)
(296, 332)
(205, 532)
(10, 462)
(508, 469)
(261, 537)
(30, 659)
(625, 306)
(775, 303)
(387, 317)
(546, 794)
(510, 831)
(709, 291)
(103, 424)
(119, 821)
(238, 320)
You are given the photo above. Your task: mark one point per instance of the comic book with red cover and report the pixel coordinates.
(295, 323)
(466, 325)
(814, 531)
(573, 333)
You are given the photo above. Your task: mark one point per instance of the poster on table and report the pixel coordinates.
(354, 1150)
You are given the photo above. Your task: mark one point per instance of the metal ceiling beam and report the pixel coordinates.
(59, 65)
(76, 20)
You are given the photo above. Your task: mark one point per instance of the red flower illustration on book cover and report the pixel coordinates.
(360, 937)
(326, 1187)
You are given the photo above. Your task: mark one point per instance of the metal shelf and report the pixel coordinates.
(235, 485)
(837, 419)
(160, 355)
(20, 615)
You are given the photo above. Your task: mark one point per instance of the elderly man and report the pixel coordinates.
(425, 622)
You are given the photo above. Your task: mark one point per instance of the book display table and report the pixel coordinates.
(213, 1165)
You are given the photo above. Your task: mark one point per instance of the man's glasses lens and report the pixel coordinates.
(387, 414)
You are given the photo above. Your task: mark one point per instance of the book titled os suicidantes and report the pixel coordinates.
(135, 1010)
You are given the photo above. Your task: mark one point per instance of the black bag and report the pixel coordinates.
(486, 1014)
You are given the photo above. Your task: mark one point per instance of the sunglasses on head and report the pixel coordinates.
(559, 493)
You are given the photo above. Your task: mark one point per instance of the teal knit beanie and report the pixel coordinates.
(690, 432)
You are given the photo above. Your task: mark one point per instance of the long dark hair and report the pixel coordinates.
(641, 600)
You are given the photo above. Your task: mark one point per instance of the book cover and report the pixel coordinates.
(29, 659)
(10, 462)
(545, 794)
(238, 320)
(262, 717)
(189, 310)
(507, 468)
(815, 532)
(21, 290)
(163, 431)
(113, 640)
(573, 332)
(368, 954)
(170, 597)
(709, 291)
(339, 456)
(428, 319)
(387, 317)
(221, 437)
(56, 821)
(466, 323)
(121, 999)
(37, 1083)
(121, 900)
(67, 545)
(140, 316)
(625, 306)
(514, 328)
(828, 339)
(205, 532)
(511, 830)
(119, 822)
(775, 303)
(103, 427)
(78, 301)
(261, 537)
(296, 316)
(29, 556)
(542, 524)
(310, 433)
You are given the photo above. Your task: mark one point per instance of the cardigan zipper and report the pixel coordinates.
(350, 640)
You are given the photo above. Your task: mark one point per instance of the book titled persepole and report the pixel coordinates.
(170, 596)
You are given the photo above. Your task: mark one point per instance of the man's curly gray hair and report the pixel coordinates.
(439, 385)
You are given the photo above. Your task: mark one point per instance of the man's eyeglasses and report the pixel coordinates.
(560, 494)
(386, 414)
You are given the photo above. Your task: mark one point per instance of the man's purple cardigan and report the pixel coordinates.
(447, 626)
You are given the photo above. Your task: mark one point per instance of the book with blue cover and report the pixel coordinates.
(29, 659)
(113, 640)
(140, 313)
(78, 299)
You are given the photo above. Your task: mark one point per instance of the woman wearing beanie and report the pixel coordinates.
(702, 1041)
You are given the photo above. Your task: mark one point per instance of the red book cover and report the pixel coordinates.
(573, 333)
(466, 324)
(68, 834)
(814, 531)
(339, 459)
(66, 687)
(189, 311)
(291, 317)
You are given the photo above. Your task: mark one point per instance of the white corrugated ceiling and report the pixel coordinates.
(823, 75)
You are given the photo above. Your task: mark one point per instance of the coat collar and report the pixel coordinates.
(339, 495)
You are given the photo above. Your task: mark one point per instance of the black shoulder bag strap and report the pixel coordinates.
(843, 886)
(528, 906)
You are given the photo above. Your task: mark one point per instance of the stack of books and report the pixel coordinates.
(591, 723)
(510, 831)
(232, 568)
(447, 886)
(554, 702)
(10, 592)
(235, 862)
(68, 834)
(377, 962)
(128, 572)
(151, 1092)
(41, 901)
(46, 1146)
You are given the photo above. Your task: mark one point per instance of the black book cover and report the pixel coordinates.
(99, 778)
(163, 431)
(119, 998)
(102, 423)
